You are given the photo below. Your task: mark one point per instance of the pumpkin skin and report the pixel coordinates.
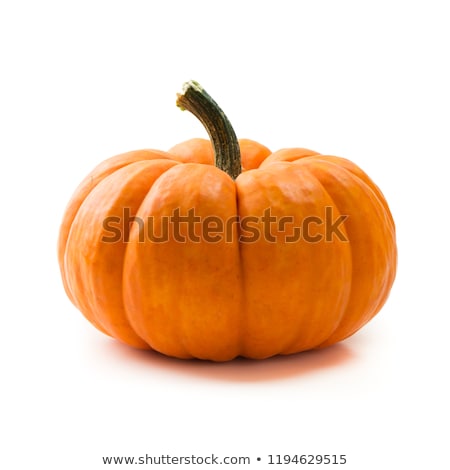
(226, 299)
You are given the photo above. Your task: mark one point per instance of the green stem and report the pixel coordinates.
(226, 146)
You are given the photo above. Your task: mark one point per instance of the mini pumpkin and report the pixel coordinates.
(221, 248)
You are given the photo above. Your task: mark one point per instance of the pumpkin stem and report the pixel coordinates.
(226, 146)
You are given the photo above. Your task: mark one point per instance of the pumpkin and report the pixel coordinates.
(220, 248)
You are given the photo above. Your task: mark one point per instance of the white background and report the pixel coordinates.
(83, 81)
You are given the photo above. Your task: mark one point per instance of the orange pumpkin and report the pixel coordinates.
(220, 250)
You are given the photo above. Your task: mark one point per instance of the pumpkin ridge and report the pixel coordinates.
(333, 169)
(180, 311)
(349, 294)
(276, 191)
(344, 307)
(101, 297)
(140, 212)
